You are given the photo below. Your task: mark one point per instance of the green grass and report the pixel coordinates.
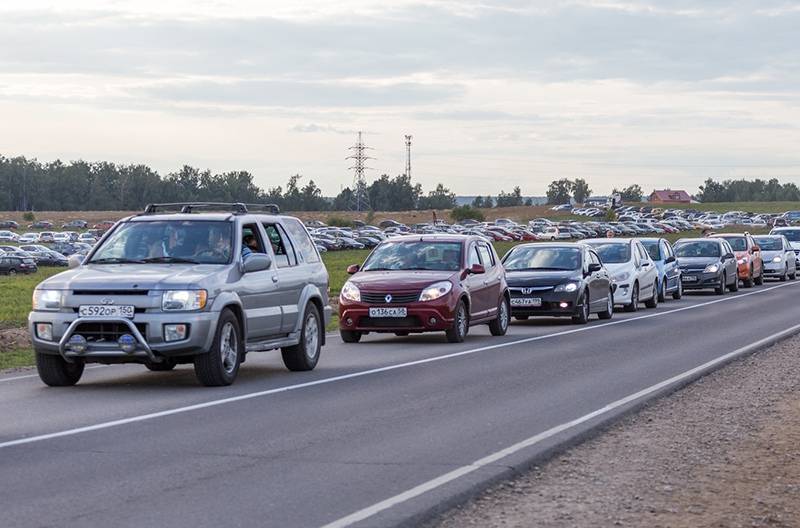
(16, 293)
(18, 357)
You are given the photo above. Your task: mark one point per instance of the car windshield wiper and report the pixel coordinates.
(170, 260)
(115, 260)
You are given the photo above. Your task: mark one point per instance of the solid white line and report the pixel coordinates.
(325, 381)
(533, 440)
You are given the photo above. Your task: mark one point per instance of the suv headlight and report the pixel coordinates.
(47, 300)
(350, 292)
(623, 276)
(712, 268)
(436, 290)
(566, 287)
(183, 300)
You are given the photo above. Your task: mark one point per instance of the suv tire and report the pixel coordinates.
(499, 326)
(305, 354)
(220, 365)
(55, 371)
(458, 333)
(350, 336)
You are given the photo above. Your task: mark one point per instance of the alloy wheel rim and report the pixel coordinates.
(462, 321)
(311, 334)
(503, 315)
(609, 303)
(229, 348)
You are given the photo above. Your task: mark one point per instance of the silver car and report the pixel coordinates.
(192, 286)
(778, 256)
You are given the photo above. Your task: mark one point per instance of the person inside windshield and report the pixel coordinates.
(450, 259)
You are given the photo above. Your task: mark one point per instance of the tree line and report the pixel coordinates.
(757, 190)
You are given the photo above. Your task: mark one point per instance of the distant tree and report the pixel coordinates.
(580, 190)
(477, 202)
(465, 212)
(559, 192)
(488, 202)
(439, 198)
(529, 201)
(511, 199)
(631, 193)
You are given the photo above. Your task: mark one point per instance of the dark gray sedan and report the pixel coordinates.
(707, 263)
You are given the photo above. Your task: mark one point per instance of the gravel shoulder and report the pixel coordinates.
(722, 452)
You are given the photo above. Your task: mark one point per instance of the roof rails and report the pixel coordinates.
(191, 207)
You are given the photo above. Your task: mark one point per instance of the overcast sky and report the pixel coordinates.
(496, 94)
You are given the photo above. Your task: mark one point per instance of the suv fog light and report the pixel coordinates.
(127, 343)
(77, 344)
(44, 331)
(175, 332)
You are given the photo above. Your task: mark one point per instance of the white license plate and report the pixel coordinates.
(388, 312)
(526, 301)
(689, 278)
(95, 310)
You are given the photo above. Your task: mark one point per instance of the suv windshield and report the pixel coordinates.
(653, 248)
(438, 256)
(737, 243)
(543, 258)
(769, 243)
(698, 249)
(173, 241)
(613, 253)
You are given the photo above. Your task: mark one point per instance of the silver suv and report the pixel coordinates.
(185, 283)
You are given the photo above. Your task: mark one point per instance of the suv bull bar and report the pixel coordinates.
(142, 347)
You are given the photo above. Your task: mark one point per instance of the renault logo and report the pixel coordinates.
(388, 299)
(107, 301)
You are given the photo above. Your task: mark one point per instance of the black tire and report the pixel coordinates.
(350, 336)
(760, 279)
(720, 290)
(304, 355)
(608, 313)
(734, 287)
(749, 282)
(652, 302)
(678, 293)
(12, 272)
(785, 273)
(634, 305)
(521, 317)
(55, 371)
(458, 333)
(583, 309)
(662, 292)
(165, 366)
(499, 326)
(220, 365)
(793, 276)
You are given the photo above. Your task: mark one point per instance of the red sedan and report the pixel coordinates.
(426, 283)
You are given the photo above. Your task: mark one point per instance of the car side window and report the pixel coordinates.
(251, 238)
(305, 249)
(281, 246)
(635, 255)
(472, 256)
(486, 255)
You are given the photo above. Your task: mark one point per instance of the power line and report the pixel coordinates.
(360, 201)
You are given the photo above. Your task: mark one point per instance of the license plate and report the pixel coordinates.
(94, 310)
(526, 301)
(689, 278)
(388, 312)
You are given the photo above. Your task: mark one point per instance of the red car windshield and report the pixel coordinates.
(417, 255)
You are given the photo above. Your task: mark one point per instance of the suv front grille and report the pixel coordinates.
(106, 332)
(110, 292)
(397, 298)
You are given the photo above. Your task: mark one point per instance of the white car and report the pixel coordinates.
(88, 238)
(29, 238)
(554, 233)
(631, 268)
(792, 234)
(8, 236)
(60, 237)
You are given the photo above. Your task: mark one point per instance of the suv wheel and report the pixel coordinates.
(220, 365)
(55, 371)
(165, 365)
(305, 354)
(634, 305)
(608, 313)
(12, 272)
(582, 314)
(499, 326)
(350, 336)
(652, 302)
(458, 333)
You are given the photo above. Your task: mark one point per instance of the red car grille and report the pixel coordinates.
(396, 298)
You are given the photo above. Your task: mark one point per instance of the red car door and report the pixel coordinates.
(475, 284)
(492, 280)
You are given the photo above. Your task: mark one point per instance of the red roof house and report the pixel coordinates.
(670, 196)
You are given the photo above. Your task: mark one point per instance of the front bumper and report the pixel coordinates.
(102, 334)
(429, 316)
(774, 269)
(699, 280)
(551, 303)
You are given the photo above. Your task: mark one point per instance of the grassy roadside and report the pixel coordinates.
(15, 358)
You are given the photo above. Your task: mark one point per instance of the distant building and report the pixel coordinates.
(670, 196)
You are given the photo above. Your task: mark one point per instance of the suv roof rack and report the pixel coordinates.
(190, 207)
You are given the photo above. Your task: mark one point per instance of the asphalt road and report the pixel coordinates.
(380, 434)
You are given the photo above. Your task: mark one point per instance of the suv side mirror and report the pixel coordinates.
(477, 269)
(670, 260)
(353, 268)
(74, 261)
(594, 267)
(257, 262)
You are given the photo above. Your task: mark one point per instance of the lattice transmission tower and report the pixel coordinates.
(360, 201)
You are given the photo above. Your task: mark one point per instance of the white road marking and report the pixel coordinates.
(388, 368)
(495, 457)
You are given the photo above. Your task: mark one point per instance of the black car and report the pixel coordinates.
(707, 263)
(51, 258)
(558, 279)
(65, 248)
(11, 265)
